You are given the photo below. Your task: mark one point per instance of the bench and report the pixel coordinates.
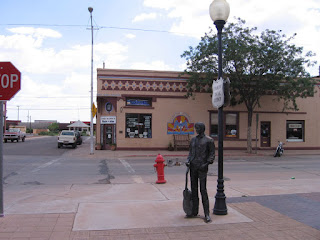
(181, 141)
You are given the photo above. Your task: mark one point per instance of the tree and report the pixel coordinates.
(256, 65)
(54, 127)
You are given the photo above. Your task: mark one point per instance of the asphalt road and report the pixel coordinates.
(36, 146)
(39, 161)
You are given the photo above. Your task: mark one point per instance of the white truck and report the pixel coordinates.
(14, 134)
(67, 138)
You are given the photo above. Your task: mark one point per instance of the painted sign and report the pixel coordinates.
(180, 126)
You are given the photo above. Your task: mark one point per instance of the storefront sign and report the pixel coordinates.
(138, 102)
(217, 93)
(108, 120)
(295, 125)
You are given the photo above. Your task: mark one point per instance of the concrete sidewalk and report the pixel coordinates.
(145, 210)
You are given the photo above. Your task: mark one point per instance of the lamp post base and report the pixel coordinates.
(220, 206)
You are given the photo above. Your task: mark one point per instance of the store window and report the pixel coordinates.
(295, 131)
(134, 101)
(230, 125)
(138, 125)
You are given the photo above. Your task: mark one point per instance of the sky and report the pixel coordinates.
(50, 43)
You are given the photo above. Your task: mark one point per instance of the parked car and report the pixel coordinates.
(67, 138)
(14, 134)
(79, 137)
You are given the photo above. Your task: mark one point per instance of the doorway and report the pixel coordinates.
(109, 136)
(265, 134)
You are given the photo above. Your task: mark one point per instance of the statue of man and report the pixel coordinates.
(201, 154)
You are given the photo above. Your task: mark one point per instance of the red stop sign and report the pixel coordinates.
(10, 81)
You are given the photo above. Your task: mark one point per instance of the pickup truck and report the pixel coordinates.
(67, 138)
(14, 134)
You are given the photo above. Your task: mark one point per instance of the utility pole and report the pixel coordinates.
(18, 112)
(90, 9)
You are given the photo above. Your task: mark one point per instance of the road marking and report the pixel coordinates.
(135, 178)
(46, 165)
(127, 165)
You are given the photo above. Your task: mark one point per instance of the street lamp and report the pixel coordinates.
(90, 9)
(219, 13)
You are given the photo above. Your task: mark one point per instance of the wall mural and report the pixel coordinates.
(180, 126)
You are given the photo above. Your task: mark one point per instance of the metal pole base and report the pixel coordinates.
(220, 206)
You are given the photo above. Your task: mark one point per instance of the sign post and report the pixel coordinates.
(10, 84)
(1, 158)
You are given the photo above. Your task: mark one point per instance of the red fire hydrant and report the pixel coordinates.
(160, 169)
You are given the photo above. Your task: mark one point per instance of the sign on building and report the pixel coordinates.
(108, 120)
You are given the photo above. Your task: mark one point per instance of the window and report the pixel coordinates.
(214, 125)
(138, 125)
(230, 126)
(133, 101)
(295, 131)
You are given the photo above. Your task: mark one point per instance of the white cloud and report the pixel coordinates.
(145, 16)
(192, 18)
(36, 32)
(58, 77)
(189, 17)
(130, 36)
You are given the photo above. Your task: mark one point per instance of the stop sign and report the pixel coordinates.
(10, 81)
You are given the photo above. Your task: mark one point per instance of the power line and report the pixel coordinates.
(50, 109)
(45, 97)
(98, 27)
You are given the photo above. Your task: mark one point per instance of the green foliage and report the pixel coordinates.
(29, 130)
(257, 65)
(48, 133)
(54, 127)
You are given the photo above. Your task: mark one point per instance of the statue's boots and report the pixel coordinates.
(206, 211)
(195, 207)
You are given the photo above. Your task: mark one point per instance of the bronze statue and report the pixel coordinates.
(201, 154)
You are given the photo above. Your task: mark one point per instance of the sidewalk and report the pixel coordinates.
(145, 210)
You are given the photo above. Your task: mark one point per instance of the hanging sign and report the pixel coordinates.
(217, 93)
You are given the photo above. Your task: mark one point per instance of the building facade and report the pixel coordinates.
(140, 109)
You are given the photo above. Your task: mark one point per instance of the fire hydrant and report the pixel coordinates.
(160, 169)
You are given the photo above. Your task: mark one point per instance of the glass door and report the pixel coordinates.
(109, 137)
(265, 134)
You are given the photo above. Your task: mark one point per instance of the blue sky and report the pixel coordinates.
(49, 42)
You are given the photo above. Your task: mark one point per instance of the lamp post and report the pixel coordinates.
(219, 13)
(90, 9)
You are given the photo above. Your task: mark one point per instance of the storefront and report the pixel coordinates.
(140, 109)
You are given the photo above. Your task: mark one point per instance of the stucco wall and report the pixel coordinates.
(167, 104)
